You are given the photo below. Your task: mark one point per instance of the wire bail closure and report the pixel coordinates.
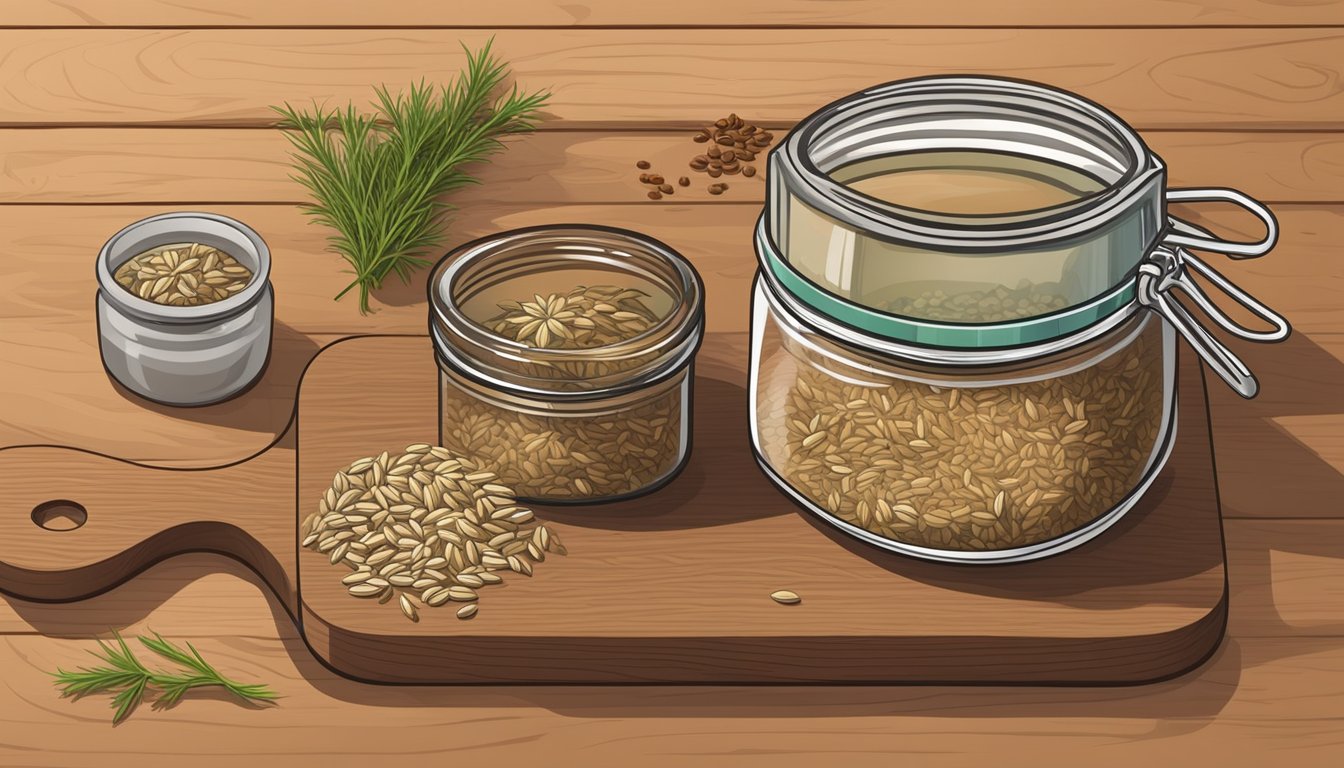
(1169, 268)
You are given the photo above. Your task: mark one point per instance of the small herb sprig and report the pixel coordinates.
(379, 179)
(131, 679)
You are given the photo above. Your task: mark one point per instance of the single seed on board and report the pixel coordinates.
(786, 597)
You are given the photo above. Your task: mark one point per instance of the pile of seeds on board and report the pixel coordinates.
(996, 305)
(426, 528)
(571, 456)
(733, 146)
(183, 275)
(964, 468)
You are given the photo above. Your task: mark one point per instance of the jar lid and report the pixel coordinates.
(955, 209)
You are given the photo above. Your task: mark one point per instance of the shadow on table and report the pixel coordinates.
(1264, 470)
(267, 405)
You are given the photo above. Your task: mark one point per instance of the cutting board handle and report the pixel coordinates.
(74, 524)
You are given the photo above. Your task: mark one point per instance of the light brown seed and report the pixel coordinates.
(402, 546)
(786, 597)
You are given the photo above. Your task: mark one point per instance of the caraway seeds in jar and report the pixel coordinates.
(963, 325)
(185, 308)
(565, 357)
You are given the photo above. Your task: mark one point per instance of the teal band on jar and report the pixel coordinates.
(925, 333)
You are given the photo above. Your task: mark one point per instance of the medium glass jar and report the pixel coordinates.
(963, 330)
(566, 359)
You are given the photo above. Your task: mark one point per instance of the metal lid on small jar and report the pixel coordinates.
(470, 284)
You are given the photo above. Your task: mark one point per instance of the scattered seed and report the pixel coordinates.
(786, 597)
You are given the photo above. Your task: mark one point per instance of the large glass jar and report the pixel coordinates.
(963, 326)
(523, 391)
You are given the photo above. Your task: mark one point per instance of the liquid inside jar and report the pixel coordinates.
(183, 275)
(952, 287)
(967, 183)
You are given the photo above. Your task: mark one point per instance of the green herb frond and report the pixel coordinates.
(378, 180)
(125, 674)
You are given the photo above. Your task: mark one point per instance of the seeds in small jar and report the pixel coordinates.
(418, 527)
(183, 275)
(963, 467)
(558, 456)
(584, 317)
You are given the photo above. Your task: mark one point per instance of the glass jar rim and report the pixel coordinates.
(181, 226)
(463, 343)
(864, 125)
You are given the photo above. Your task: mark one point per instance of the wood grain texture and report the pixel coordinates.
(1286, 580)
(1257, 698)
(138, 515)
(1159, 78)
(240, 166)
(659, 588)
(55, 391)
(562, 13)
(1119, 609)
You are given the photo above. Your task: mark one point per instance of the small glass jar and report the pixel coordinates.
(185, 355)
(575, 424)
(964, 324)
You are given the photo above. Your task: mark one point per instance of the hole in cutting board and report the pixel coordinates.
(60, 515)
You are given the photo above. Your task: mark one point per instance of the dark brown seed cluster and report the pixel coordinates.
(656, 184)
(733, 146)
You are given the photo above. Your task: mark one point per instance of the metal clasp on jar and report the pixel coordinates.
(1169, 267)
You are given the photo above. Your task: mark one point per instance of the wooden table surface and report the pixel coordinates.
(113, 110)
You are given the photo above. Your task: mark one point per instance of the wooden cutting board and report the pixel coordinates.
(672, 587)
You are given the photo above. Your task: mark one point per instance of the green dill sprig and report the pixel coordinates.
(378, 180)
(131, 679)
